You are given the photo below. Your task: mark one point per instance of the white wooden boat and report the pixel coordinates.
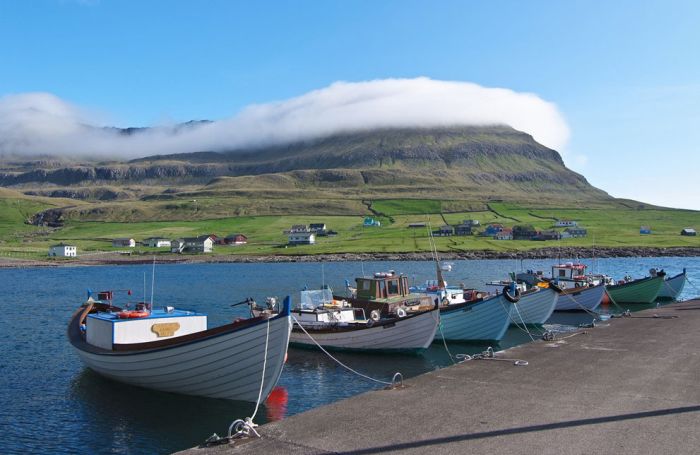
(478, 320)
(534, 307)
(173, 351)
(336, 325)
(672, 287)
(581, 298)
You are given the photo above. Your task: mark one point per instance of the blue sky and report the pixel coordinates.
(625, 75)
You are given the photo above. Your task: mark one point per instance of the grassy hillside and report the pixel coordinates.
(616, 227)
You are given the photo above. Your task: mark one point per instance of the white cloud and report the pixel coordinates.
(41, 123)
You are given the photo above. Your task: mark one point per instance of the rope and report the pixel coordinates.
(338, 361)
(245, 427)
(444, 342)
(515, 323)
(488, 354)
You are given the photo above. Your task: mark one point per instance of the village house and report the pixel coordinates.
(302, 238)
(565, 223)
(297, 228)
(318, 228)
(689, 231)
(547, 235)
(201, 244)
(463, 229)
(124, 242)
(575, 232)
(416, 225)
(444, 231)
(64, 251)
(644, 230)
(235, 239)
(371, 222)
(504, 234)
(524, 232)
(472, 223)
(492, 229)
(156, 242)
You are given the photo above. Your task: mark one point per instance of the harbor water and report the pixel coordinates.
(50, 403)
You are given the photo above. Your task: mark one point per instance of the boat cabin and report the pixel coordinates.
(568, 271)
(383, 285)
(113, 329)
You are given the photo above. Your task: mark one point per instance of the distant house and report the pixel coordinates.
(177, 246)
(156, 242)
(124, 242)
(524, 232)
(64, 251)
(201, 244)
(645, 230)
(371, 222)
(416, 225)
(547, 235)
(576, 232)
(492, 229)
(463, 229)
(444, 231)
(471, 222)
(318, 228)
(689, 231)
(298, 228)
(302, 238)
(504, 234)
(565, 223)
(235, 239)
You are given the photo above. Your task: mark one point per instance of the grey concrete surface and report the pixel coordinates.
(630, 386)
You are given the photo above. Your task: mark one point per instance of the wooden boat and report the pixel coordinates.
(534, 307)
(643, 290)
(173, 351)
(672, 287)
(336, 325)
(484, 319)
(581, 298)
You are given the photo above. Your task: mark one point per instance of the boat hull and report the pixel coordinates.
(587, 299)
(644, 290)
(227, 364)
(672, 287)
(412, 333)
(534, 308)
(486, 320)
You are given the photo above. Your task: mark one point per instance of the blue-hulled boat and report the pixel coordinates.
(534, 307)
(480, 320)
(581, 298)
(672, 287)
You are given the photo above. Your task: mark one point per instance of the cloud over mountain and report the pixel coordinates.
(41, 123)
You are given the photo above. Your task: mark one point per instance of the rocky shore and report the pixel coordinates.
(541, 253)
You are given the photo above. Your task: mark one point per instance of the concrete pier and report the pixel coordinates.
(629, 385)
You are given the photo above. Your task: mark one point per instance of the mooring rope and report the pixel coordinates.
(392, 384)
(488, 354)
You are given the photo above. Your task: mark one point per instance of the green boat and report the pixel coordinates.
(643, 290)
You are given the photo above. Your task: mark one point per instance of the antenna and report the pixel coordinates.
(153, 280)
(144, 287)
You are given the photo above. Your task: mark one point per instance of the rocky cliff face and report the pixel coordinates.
(481, 154)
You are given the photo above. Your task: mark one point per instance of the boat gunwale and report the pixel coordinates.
(76, 338)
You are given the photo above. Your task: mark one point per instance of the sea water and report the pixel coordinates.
(51, 403)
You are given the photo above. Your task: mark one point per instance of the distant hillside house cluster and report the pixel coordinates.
(498, 231)
(302, 234)
(200, 244)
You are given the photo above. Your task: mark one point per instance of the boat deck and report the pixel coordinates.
(155, 314)
(628, 386)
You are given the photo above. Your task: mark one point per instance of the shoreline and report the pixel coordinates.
(214, 258)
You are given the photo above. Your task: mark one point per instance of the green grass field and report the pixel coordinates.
(613, 227)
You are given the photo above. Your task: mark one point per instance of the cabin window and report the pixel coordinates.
(562, 272)
(364, 285)
(393, 287)
(382, 289)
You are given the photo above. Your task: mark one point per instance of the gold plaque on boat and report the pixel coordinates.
(167, 329)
